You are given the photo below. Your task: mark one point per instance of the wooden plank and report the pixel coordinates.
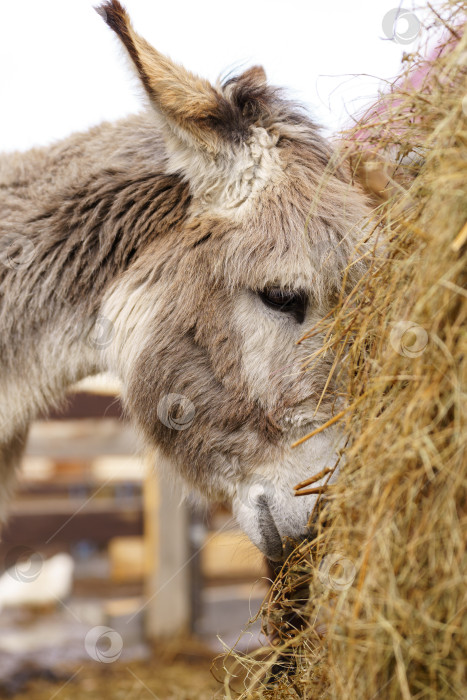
(81, 439)
(70, 507)
(84, 405)
(231, 555)
(102, 384)
(126, 556)
(167, 608)
(41, 525)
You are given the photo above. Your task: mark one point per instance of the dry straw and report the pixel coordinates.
(375, 604)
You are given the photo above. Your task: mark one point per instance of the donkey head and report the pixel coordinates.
(207, 320)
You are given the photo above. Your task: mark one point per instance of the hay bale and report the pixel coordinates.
(375, 604)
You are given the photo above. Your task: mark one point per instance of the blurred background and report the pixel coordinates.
(100, 556)
(98, 539)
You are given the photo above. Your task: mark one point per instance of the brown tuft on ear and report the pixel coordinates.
(255, 75)
(113, 14)
(250, 93)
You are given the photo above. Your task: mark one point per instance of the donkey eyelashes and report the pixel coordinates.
(290, 302)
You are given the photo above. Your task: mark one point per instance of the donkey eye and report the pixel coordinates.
(290, 302)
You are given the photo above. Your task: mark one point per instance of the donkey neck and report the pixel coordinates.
(82, 234)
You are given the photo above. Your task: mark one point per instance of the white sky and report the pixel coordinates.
(62, 70)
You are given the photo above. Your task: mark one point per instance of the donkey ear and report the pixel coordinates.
(249, 94)
(254, 77)
(191, 107)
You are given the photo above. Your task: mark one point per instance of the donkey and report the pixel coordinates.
(186, 250)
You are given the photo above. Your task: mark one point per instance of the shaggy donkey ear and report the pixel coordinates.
(249, 94)
(252, 77)
(193, 109)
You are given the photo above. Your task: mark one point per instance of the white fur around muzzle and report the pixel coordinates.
(265, 504)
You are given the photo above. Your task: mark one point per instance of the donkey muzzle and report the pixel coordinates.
(270, 515)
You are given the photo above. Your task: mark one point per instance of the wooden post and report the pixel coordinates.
(167, 585)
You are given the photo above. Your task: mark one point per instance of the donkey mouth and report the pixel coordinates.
(271, 542)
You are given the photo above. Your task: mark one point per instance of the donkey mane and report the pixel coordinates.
(95, 230)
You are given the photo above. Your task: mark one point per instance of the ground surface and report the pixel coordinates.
(47, 655)
(157, 679)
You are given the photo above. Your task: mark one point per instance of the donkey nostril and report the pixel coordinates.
(271, 543)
